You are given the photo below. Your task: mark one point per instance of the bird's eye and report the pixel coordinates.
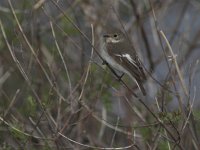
(115, 35)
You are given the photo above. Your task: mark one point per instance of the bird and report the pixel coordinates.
(119, 53)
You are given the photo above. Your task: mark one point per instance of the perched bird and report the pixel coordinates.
(119, 53)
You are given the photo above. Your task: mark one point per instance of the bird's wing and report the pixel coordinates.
(131, 64)
(134, 67)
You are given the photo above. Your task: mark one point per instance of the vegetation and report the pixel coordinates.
(56, 91)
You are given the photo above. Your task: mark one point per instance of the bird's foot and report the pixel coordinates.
(104, 62)
(119, 78)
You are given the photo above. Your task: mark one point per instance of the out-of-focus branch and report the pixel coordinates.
(144, 35)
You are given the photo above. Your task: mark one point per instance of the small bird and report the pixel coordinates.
(119, 53)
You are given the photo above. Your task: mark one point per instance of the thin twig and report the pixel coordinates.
(62, 58)
(89, 65)
(12, 102)
(95, 147)
(114, 134)
(22, 132)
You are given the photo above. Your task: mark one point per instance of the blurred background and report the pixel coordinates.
(55, 92)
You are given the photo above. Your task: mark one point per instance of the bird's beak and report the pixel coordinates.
(106, 36)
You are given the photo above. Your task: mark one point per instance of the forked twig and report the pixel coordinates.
(176, 64)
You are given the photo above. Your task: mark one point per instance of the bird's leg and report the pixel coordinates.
(120, 77)
(104, 62)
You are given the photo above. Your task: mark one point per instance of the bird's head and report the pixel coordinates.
(114, 36)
